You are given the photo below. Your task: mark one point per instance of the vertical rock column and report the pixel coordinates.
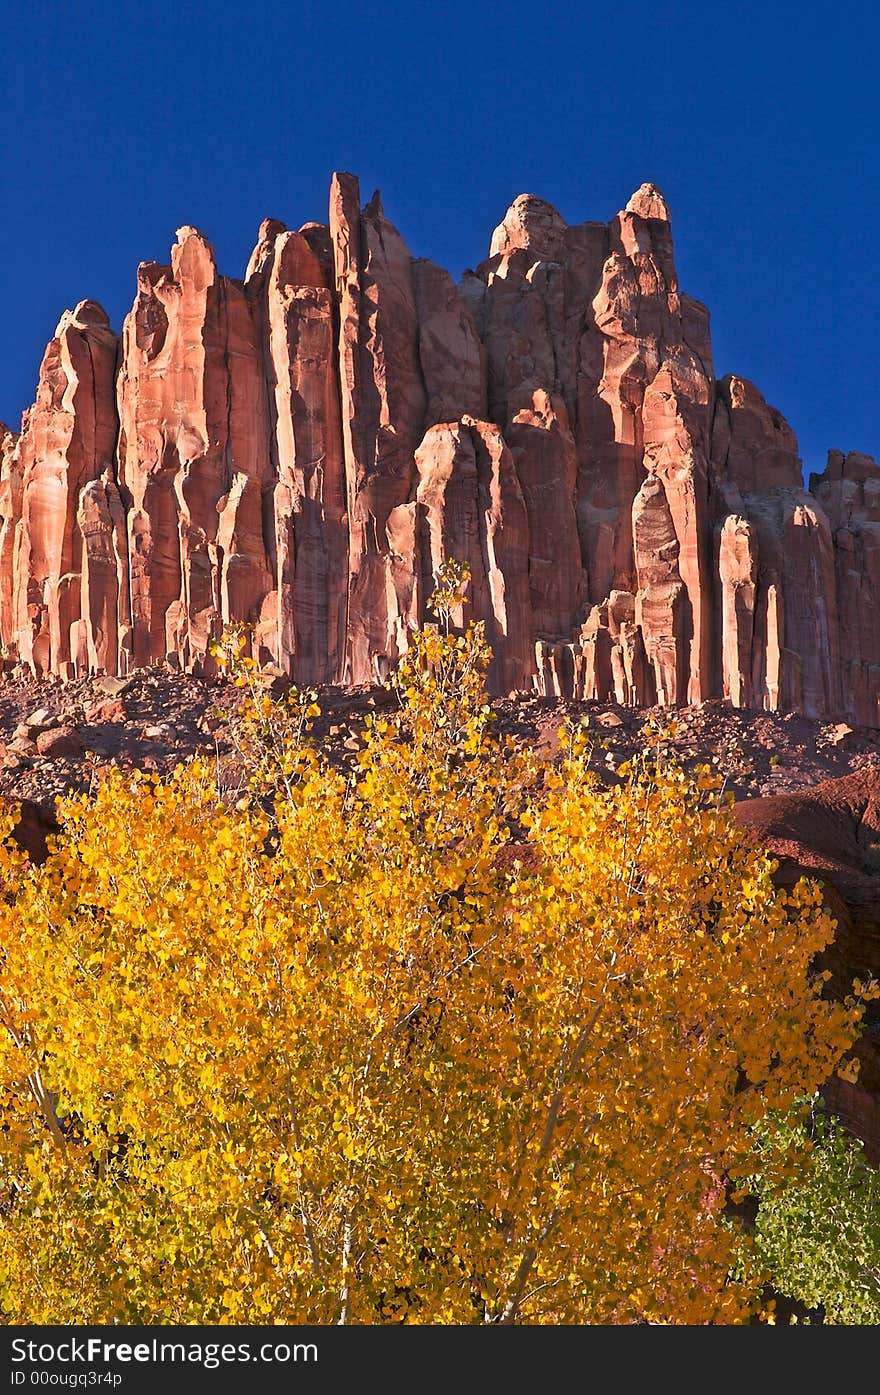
(657, 384)
(306, 627)
(675, 416)
(661, 606)
(68, 439)
(10, 514)
(737, 573)
(193, 455)
(849, 492)
(383, 411)
(795, 638)
(104, 594)
(546, 465)
(473, 510)
(529, 299)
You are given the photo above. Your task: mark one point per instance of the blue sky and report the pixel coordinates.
(760, 123)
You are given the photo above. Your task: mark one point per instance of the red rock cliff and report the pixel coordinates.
(300, 451)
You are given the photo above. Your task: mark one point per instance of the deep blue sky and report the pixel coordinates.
(759, 121)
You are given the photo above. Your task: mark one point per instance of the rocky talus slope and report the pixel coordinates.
(300, 449)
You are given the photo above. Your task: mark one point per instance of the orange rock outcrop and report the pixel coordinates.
(299, 450)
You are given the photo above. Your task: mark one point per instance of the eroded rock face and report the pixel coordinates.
(303, 617)
(10, 514)
(68, 439)
(193, 461)
(383, 410)
(849, 492)
(300, 450)
(792, 616)
(472, 504)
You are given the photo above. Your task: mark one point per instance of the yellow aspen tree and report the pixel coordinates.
(464, 1037)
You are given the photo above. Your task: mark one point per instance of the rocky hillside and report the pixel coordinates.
(57, 737)
(300, 449)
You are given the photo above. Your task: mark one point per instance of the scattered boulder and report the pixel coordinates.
(60, 742)
(111, 710)
(840, 735)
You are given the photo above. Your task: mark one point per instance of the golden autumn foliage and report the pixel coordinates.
(465, 1038)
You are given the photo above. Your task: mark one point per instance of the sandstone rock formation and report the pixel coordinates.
(849, 492)
(68, 439)
(301, 449)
